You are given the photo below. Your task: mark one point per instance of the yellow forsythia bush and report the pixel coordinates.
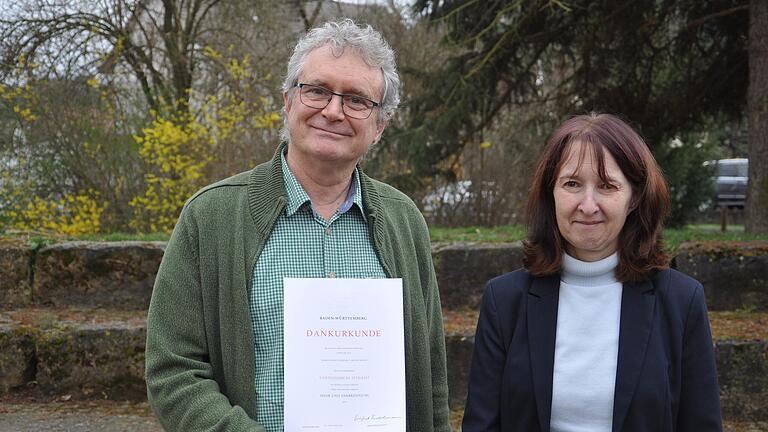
(69, 215)
(180, 147)
(178, 150)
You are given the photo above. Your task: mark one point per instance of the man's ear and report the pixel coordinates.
(380, 126)
(286, 102)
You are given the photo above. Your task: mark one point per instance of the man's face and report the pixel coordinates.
(328, 135)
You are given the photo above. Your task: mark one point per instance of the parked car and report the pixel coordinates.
(463, 203)
(730, 182)
(448, 197)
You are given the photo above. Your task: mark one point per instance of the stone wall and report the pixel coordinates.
(742, 369)
(103, 353)
(462, 270)
(15, 274)
(121, 274)
(90, 274)
(734, 275)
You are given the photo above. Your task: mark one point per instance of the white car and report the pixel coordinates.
(448, 197)
(731, 180)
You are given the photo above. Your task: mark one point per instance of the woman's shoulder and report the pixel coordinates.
(672, 279)
(511, 286)
(677, 288)
(511, 291)
(519, 278)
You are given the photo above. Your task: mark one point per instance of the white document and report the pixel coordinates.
(344, 359)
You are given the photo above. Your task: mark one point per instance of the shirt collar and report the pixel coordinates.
(297, 196)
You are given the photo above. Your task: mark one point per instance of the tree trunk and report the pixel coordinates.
(757, 107)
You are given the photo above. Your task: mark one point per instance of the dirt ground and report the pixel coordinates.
(91, 416)
(109, 416)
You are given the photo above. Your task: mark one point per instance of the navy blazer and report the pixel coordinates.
(665, 377)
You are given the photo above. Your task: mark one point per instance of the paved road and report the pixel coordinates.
(101, 416)
(107, 416)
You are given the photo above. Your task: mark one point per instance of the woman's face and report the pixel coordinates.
(590, 212)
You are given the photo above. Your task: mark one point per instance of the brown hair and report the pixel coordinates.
(640, 248)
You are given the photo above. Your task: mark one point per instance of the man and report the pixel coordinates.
(214, 358)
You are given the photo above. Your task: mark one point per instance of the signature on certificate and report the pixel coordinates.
(373, 417)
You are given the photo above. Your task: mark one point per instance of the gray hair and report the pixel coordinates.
(367, 42)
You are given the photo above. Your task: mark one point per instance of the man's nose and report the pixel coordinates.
(334, 111)
(588, 204)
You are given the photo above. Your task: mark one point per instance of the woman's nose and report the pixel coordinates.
(588, 204)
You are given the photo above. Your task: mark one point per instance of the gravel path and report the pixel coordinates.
(101, 416)
(106, 416)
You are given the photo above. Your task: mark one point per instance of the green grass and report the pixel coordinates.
(477, 234)
(673, 237)
(37, 239)
(119, 236)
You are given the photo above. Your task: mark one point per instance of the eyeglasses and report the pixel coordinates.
(354, 106)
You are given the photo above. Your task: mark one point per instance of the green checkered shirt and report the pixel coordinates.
(302, 244)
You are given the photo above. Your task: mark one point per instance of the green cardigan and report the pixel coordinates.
(199, 353)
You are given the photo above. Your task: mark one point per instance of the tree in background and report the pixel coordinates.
(64, 143)
(72, 71)
(392, 159)
(667, 66)
(757, 195)
(134, 104)
(180, 149)
(158, 42)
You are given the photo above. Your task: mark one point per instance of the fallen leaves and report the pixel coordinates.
(739, 325)
(736, 325)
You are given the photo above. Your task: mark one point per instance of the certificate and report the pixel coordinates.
(344, 365)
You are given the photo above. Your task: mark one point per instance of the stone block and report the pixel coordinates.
(88, 360)
(94, 274)
(458, 349)
(15, 259)
(742, 369)
(16, 357)
(734, 274)
(463, 269)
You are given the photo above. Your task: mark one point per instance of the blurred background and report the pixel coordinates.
(114, 112)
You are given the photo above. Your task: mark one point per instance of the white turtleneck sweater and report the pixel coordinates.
(586, 346)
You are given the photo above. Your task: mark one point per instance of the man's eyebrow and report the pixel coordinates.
(354, 91)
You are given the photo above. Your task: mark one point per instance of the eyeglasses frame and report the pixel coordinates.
(340, 95)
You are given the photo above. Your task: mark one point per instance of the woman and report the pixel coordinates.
(596, 333)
